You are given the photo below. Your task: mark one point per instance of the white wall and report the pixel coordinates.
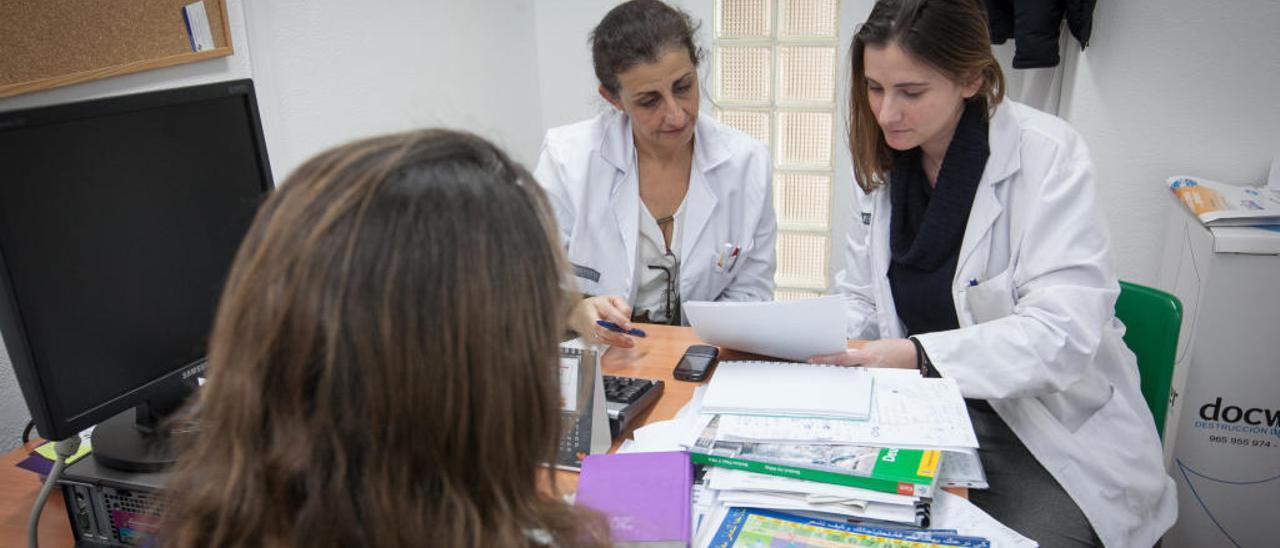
(567, 81)
(852, 14)
(331, 71)
(1173, 87)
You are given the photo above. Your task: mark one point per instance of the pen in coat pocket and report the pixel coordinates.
(723, 256)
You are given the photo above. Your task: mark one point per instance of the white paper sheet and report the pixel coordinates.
(659, 436)
(962, 468)
(907, 412)
(955, 512)
(198, 29)
(741, 480)
(901, 513)
(704, 503)
(781, 389)
(668, 435)
(793, 330)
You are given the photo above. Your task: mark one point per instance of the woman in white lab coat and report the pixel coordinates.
(656, 203)
(977, 252)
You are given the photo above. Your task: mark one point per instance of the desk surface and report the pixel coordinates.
(18, 490)
(652, 358)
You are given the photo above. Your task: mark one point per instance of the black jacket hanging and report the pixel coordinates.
(1034, 25)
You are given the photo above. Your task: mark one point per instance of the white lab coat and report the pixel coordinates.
(588, 170)
(1035, 295)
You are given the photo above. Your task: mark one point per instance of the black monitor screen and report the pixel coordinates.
(117, 230)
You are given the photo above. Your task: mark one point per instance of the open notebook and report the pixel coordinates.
(785, 389)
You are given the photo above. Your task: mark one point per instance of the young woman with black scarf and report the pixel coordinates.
(977, 251)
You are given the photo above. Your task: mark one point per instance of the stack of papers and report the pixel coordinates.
(779, 389)
(758, 527)
(1221, 204)
(909, 412)
(877, 478)
(867, 445)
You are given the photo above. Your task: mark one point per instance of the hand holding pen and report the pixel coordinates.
(611, 309)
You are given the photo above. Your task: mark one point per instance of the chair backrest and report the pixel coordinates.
(1152, 319)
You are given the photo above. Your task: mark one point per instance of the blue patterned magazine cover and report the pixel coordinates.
(757, 528)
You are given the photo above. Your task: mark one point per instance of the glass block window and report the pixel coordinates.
(806, 139)
(801, 199)
(745, 19)
(807, 74)
(802, 258)
(747, 75)
(804, 19)
(795, 294)
(752, 122)
(775, 71)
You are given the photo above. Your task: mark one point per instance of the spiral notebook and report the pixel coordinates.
(786, 389)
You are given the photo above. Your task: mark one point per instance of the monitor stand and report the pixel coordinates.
(135, 441)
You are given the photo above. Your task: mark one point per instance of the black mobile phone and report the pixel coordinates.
(696, 363)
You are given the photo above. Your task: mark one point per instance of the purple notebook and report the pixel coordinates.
(645, 495)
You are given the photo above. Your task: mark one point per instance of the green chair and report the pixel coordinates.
(1152, 319)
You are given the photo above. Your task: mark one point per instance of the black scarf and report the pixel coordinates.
(927, 226)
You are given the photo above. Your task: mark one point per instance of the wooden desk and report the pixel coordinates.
(652, 358)
(18, 490)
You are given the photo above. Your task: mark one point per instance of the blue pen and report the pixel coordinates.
(618, 329)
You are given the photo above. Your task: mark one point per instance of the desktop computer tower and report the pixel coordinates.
(108, 507)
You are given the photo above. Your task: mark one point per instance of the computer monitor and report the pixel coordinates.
(119, 220)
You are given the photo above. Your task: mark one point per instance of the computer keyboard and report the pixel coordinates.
(627, 398)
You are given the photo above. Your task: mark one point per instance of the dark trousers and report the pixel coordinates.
(1023, 495)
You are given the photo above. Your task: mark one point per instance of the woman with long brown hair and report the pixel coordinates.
(977, 252)
(382, 370)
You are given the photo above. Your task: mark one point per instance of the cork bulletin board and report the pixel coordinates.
(51, 43)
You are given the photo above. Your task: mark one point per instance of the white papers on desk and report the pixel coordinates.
(728, 479)
(794, 330)
(955, 512)
(908, 412)
(781, 389)
(899, 513)
(961, 467)
(668, 435)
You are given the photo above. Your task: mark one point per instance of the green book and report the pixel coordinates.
(912, 472)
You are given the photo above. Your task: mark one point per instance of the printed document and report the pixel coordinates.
(907, 411)
(781, 389)
(793, 330)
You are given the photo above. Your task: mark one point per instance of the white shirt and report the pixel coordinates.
(588, 171)
(652, 286)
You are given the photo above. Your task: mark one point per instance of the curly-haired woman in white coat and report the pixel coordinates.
(656, 203)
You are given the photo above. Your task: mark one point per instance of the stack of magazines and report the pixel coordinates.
(1220, 204)
(881, 473)
(757, 527)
